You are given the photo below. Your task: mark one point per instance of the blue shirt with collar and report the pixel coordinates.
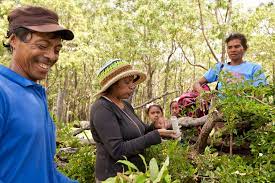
(244, 71)
(27, 132)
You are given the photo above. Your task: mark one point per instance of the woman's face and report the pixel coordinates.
(154, 113)
(175, 110)
(124, 88)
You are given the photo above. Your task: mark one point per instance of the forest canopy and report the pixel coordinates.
(172, 41)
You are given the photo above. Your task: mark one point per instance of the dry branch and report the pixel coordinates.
(192, 122)
(153, 99)
(80, 130)
(196, 65)
(203, 33)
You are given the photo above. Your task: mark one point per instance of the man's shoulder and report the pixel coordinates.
(252, 64)
(2, 79)
(4, 83)
(3, 91)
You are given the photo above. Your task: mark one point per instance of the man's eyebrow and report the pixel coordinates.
(42, 40)
(48, 42)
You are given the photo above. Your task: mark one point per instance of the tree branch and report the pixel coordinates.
(258, 100)
(195, 65)
(203, 33)
(153, 99)
(192, 122)
(228, 11)
(80, 130)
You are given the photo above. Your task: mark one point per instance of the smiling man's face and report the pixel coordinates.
(34, 57)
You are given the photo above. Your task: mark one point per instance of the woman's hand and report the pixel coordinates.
(169, 133)
(162, 123)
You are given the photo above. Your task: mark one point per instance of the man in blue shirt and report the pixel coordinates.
(239, 69)
(27, 132)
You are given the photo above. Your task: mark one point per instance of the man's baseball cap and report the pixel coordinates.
(38, 19)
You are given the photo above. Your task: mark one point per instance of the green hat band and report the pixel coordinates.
(109, 67)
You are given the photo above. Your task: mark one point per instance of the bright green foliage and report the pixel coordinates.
(144, 32)
(65, 137)
(242, 102)
(180, 168)
(152, 174)
(81, 166)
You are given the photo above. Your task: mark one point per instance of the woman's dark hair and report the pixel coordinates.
(238, 36)
(22, 33)
(154, 105)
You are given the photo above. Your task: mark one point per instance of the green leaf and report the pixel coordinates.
(153, 168)
(167, 177)
(110, 180)
(144, 162)
(141, 178)
(176, 181)
(162, 170)
(129, 164)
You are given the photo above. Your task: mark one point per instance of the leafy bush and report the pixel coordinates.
(65, 137)
(152, 173)
(180, 167)
(240, 104)
(81, 166)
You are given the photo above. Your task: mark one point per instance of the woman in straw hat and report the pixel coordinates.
(115, 127)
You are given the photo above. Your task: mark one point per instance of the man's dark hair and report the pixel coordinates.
(238, 36)
(22, 33)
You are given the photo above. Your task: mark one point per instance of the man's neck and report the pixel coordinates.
(19, 70)
(236, 62)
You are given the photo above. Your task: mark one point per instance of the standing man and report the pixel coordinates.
(239, 69)
(27, 132)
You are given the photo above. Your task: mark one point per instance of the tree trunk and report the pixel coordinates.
(61, 99)
(273, 83)
(167, 70)
(201, 143)
(150, 73)
(59, 105)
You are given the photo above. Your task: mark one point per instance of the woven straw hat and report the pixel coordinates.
(113, 71)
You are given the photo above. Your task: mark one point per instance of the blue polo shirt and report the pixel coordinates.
(27, 132)
(244, 71)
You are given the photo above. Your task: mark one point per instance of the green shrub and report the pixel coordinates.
(81, 166)
(180, 167)
(152, 174)
(65, 137)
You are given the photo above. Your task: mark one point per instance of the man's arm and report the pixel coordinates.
(2, 122)
(197, 85)
(210, 76)
(62, 178)
(2, 115)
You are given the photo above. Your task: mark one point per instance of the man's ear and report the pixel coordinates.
(13, 41)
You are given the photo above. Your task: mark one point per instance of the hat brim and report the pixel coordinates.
(65, 34)
(140, 79)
